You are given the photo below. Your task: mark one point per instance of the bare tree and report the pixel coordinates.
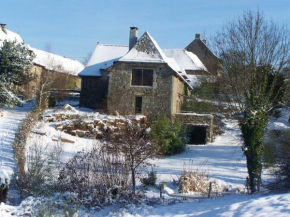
(43, 91)
(254, 53)
(87, 58)
(137, 149)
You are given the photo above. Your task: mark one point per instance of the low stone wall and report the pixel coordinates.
(96, 128)
(194, 119)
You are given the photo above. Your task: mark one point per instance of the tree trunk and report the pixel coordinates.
(254, 166)
(253, 130)
(133, 180)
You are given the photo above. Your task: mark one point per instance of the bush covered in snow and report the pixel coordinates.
(197, 181)
(97, 178)
(21, 136)
(41, 170)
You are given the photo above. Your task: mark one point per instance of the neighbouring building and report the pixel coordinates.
(207, 57)
(64, 70)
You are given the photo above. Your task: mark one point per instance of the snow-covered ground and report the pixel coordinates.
(223, 160)
(282, 122)
(8, 126)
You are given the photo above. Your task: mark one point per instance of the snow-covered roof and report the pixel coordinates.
(194, 80)
(57, 63)
(185, 59)
(48, 60)
(9, 36)
(179, 70)
(102, 58)
(145, 50)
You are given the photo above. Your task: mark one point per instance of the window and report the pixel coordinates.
(142, 77)
(138, 105)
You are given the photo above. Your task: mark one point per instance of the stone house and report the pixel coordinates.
(142, 79)
(60, 69)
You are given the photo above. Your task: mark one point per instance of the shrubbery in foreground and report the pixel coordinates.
(170, 136)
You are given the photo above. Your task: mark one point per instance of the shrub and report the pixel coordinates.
(151, 178)
(96, 177)
(196, 181)
(277, 154)
(276, 113)
(21, 136)
(4, 186)
(56, 206)
(206, 90)
(42, 170)
(170, 136)
(199, 106)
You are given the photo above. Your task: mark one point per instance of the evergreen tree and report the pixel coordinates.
(15, 64)
(170, 136)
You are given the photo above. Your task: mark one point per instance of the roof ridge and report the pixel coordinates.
(115, 45)
(174, 49)
(57, 55)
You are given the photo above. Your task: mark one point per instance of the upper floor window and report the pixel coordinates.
(142, 77)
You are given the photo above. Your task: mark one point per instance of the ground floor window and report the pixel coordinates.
(138, 104)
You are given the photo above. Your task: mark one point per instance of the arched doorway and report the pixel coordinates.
(196, 134)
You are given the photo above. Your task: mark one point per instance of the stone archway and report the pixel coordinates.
(200, 127)
(196, 134)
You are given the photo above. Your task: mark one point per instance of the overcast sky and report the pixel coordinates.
(73, 27)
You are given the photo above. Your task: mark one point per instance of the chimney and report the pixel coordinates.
(3, 27)
(197, 36)
(133, 37)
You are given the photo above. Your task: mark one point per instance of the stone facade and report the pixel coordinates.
(94, 92)
(163, 98)
(178, 94)
(205, 120)
(60, 81)
(29, 89)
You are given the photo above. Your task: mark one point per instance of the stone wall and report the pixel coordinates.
(194, 119)
(178, 94)
(93, 93)
(29, 90)
(60, 81)
(156, 100)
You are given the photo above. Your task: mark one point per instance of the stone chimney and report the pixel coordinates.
(3, 27)
(133, 37)
(197, 36)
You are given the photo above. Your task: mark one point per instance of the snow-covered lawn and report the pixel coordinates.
(223, 160)
(228, 206)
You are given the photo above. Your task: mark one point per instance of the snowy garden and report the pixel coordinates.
(58, 158)
(222, 163)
